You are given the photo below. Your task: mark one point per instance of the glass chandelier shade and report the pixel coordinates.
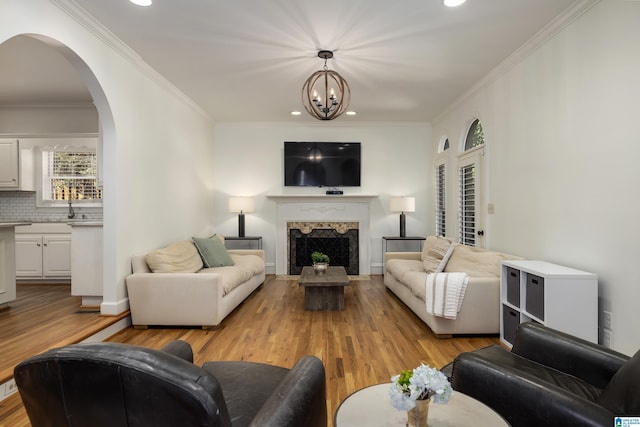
(326, 94)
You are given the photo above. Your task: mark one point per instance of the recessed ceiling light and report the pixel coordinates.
(351, 113)
(453, 3)
(295, 113)
(141, 2)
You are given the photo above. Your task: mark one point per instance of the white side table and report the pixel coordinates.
(371, 407)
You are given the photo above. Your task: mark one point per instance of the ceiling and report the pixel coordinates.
(246, 60)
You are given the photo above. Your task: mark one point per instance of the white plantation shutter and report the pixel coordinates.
(467, 205)
(441, 197)
(70, 175)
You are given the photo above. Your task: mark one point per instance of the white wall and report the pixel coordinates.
(396, 160)
(562, 153)
(157, 146)
(38, 120)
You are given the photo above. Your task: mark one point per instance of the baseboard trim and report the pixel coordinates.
(114, 308)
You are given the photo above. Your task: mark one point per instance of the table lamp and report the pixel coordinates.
(241, 205)
(402, 205)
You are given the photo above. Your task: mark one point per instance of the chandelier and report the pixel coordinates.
(326, 94)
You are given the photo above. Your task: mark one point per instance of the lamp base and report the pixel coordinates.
(403, 225)
(241, 225)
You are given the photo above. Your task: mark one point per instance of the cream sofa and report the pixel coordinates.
(405, 275)
(190, 293)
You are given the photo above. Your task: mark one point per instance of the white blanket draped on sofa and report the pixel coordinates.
(445, 293)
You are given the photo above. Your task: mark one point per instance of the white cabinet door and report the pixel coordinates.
(7, 266)
(28, 255)
(56, 255)
(8, 163)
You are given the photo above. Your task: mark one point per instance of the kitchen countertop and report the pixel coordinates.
(86, 224)
(13, 224)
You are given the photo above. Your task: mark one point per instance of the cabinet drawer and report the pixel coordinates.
(535, 296)
(510, 321)
(513, 286)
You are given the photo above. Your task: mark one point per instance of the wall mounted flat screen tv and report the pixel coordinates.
(321, 164)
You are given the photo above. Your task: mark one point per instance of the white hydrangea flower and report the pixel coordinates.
(425, 382)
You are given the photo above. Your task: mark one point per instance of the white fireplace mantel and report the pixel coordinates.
(297, 198)
(320, 207)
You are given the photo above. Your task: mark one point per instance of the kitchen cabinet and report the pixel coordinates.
(43, 252)
(7, 264)
(86, 262)
(9, 164)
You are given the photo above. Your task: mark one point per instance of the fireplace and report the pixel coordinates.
(338, 240)
(340, 210)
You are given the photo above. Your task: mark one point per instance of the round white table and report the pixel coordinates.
(371, 407)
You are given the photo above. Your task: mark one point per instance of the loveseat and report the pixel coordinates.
(550, 378)
(192, 283)
(405, 274)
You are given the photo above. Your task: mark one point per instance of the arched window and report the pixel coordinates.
(475, 136)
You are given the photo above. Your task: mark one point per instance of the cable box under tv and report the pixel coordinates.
(335, 192)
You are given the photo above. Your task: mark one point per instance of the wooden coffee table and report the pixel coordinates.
(324, 291)
(371, 407)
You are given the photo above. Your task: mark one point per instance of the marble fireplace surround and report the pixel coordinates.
(322, 209)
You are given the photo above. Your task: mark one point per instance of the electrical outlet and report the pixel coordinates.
(606, 338)
(10, 387)
(606, 320)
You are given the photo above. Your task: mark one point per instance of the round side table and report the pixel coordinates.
(371, 407)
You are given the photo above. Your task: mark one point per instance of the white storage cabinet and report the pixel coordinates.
(86, 262)
(43, 252)
(558, 297)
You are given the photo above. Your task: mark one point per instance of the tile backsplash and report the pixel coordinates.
(21, 206)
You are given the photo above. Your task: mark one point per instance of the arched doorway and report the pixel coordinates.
(42, 81)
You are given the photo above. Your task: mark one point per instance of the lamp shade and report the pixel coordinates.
(241, 204)
(403, 204)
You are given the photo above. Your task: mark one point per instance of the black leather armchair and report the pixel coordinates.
(110, 384)
(551, 379)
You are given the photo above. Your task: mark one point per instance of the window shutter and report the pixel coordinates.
(467, 214)
(441, 224)
(70, 175)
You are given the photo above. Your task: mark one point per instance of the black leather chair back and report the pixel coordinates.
(108, 384)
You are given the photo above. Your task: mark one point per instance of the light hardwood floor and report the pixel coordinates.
(374, 338)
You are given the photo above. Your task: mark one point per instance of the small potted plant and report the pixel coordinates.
(320, 262)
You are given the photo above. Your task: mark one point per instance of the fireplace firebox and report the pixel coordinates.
(341, 247)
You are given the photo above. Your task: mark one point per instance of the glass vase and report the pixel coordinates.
(418, 416)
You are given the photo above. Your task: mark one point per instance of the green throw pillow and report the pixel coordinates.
(213, 252)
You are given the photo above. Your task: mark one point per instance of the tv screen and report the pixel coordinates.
(321, 164)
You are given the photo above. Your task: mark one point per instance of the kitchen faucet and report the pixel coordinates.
(72, 213)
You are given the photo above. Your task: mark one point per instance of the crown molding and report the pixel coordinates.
(48, 106)
(562, 21)
(86, 20)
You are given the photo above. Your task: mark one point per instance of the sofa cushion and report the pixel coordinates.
(435, 253)
(622, 395)
(180, 257)
(476, 262)
(398, 267)
(213, 252)
(416, 281)
(244, 268)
